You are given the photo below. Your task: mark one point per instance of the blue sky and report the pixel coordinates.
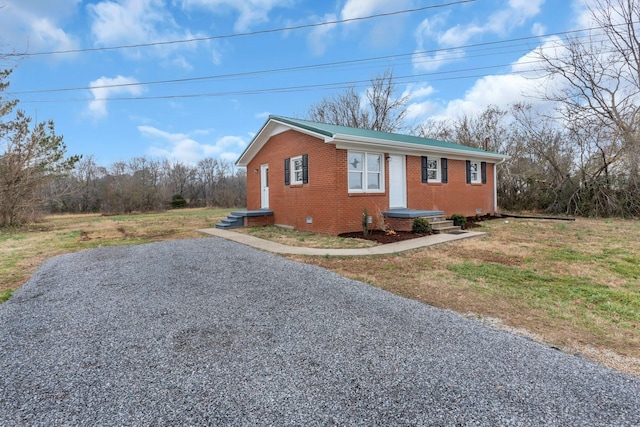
(211, 95)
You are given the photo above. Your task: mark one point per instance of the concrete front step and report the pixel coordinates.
(239, 219)
(439, 224)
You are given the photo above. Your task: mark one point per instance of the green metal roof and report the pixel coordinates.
(333, 130)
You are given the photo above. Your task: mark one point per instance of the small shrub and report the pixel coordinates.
(178, 201)
(459, 220)
(421, 226)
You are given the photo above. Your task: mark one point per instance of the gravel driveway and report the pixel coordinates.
(210, 332)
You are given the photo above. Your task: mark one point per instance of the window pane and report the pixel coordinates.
(297, 164)
(373, 181)
(373, 162)
(432, 164)
(432, 174)
(474, 167)
(355, 161)
(298, 176)
(355, 181)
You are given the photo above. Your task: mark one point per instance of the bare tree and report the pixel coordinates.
(379, 110)
(601, 76)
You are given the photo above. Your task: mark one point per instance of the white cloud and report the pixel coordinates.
(361, 8)
(133, 22)
(416, 91)
(114, 86)
(250, 12)
(186, 148)
(501, 22)
(36, 26)
(420, 107)
(319, 37)
(425, 62)
(538, 29)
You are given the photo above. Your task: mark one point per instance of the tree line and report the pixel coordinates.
(143, 185)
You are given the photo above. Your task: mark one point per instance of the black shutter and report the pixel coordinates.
(483, 169)
(286, 172)
(305, 168)
(425, 174)
(444, 173)
(468, 171)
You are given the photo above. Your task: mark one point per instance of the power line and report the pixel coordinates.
(413, 78)
(315, 66)
(249, 33)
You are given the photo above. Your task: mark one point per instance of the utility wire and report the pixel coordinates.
(412, 78)
(245, 34)
(453, 50)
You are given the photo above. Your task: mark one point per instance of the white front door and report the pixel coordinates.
(264, 186)
(397, 182)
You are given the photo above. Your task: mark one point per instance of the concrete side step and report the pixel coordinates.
(441, 224)
(439, 218)
(231, 221)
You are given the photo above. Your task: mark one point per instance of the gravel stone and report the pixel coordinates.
(211, 332)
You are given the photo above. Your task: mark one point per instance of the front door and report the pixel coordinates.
(264, 186)
(397, 182)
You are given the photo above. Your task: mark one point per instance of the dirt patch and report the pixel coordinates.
(382, 237)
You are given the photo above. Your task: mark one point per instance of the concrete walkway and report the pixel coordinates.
(389, 248)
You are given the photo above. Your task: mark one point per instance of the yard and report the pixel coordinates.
(573, 285)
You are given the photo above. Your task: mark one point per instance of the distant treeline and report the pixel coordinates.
(143, 185)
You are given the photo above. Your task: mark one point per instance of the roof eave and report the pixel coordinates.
(350, 142)
(269, 129)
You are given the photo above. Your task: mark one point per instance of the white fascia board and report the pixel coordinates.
(367, 144)
(272, 128)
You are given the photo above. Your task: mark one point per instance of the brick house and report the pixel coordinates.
(321, 178)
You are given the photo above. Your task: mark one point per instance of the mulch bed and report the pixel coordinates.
(381, 236)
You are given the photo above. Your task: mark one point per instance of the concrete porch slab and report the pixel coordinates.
(411, 213)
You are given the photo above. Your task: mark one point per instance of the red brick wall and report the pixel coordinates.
(326, 198)
(257, 221)
(292, 204)
(456, 196)
(350, 207)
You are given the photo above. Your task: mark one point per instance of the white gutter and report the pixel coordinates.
(350, 142)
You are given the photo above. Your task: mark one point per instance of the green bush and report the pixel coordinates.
(177, 201)
(459, 220)
(421, 226)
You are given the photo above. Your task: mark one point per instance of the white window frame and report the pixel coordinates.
(437, 169)
(478, 172)
(366, 171)
(293, 171)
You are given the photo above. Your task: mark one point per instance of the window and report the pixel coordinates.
(365, 172)
(476, 172)
(296, 170)
(434, 170)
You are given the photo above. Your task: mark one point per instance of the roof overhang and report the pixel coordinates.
(348, 142)
(273, 127)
